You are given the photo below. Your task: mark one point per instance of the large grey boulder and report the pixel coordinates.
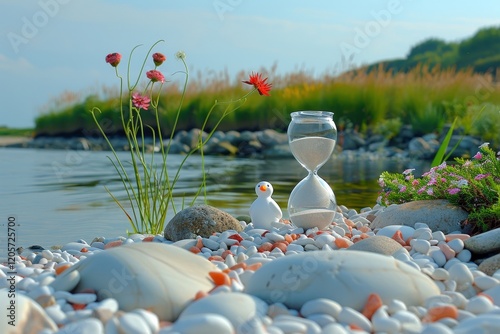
(203, 220)
(484, 243)
(439, 215)
(377, 244)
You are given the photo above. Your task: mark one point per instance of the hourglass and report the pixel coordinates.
(312, 136)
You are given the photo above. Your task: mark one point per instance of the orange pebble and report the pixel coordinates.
(341, 243)
(288, 238)
(254, 266)
(460, 236)
(364, 229)
(439, 312)
(60, 269)
(281, 245)
(199, 243)
(373, 303)
(242, 265)
(194, 250)
(364, 236)
(112, 244)
(148, 239)
(84, 250)
(449, 253)
(398, 237)
(220, 278)
(215, 258)
(226, 253)
(266, 246)
(355, 327)
(77, 307)
(200, 294)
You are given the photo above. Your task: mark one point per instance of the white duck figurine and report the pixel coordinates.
(264, 210)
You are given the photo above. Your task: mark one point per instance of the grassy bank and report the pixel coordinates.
(379, 101)
(15, 132)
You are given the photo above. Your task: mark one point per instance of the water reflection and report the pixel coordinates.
(59, 196)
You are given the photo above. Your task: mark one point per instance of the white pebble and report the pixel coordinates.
(383, 323)
(85, 326)
(438, 236)
(56, 314)
(396, 305)
(461, 274)
(479, 305)
(321, 306)
(424, 233)
(273, 236)
(322, 319)
(407, 318)
(130, 323)
(488, 324)
(47, 254)
(440, 274)
(465, 255)
(436, 328)
(324, 239)
(150, 318)
(349, 316)
(335, 329)
(290, 327)
(421, 246)
(311, 326)
(438, 257)
(456, 244)
(81, 298)
(485, 282)
(201, 323)
(213, 245)
(457, 299)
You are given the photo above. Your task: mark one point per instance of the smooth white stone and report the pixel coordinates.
(436, 328)
(295, 247)
(451, 262)
(311, 326)
(457, 299)
(40, 291)
(419, 225)
(479, 305)
(421, 246)
(461, 274)
(440, 274)
(85, 326)
(252, 250)
(272, 236)
(437, 301)
(438, 236)
(487, 324)
(389, 231)
(456, 244)
(321, 306)
(75, 246)
(438, 257)
(322, 319)
(201, 323)
(82, 298)
(396, 305)
(335, 329)
(407, 318)
(310, 248)
(289, 327)
(132, 323)
(27, 284)
(230, 261)
(486, 282)
(339, 230)
(382, 323)
(158, 277)
(212, 245)
(347, 277)
(276, 309)
(324, 239)
(424, 233)
(25, 271)
(247, 243)
(465, 255)
(303, 241)
(349, 316)
(225, 304)
(56, 313)
(73, 315)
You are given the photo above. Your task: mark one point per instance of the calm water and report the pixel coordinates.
(59, 196)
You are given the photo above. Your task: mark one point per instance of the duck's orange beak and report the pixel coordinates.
(263, 187)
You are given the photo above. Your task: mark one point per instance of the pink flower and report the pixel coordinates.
(113, 59)
(140, 101)
(453, 191)
(402, 189)
(421, 190)
(159, 58)
(155, 76)
(430, 191)
(481, 176)
(478, 156)
(408, 171)
(414, 183)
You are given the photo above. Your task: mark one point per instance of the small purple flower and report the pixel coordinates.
(430, 191)
(442, 166)
(453, 191)
(480, 176)
(402, 189)
(381, 182)
(432, 182)
(421, 190)
(478, 156)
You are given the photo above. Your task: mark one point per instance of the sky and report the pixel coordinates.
(52, 48)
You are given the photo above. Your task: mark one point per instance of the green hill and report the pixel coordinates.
(480, 52)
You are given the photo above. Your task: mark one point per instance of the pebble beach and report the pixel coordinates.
(348, 278)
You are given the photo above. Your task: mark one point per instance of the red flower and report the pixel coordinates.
(159, 58)
(140, 101)
(155, 76)
(261, 85)
(113, 59)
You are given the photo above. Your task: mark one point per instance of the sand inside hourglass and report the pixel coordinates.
(312, 152)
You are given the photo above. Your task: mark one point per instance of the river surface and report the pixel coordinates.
(58, 196)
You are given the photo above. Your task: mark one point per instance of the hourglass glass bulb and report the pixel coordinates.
(264, 210)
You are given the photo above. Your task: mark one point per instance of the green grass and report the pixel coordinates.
(425, 98)
(17, 132)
